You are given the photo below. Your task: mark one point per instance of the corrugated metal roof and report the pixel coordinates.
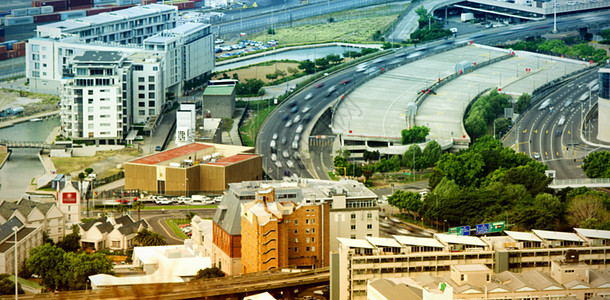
(418, 241)
(460, 239)
(232, 159)
(383, 242)
(353, 243)
(214, 90)
(170, 154)
(557, 235)
(523, 236)
(593, 233)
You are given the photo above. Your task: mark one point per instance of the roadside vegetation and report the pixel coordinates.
(597, 164)
(65, 165)
(484, 112)
(429, 28)
(571, 47)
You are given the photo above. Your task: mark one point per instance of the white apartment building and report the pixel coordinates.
(147, 88)
(185, 124)
(49, 54)
(28, 237)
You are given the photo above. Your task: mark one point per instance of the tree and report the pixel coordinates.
(597, 164)
(271, 76)
(523, 101)
(71, 242)
(44, 261)
(271, 31)
(82, 265)
(138, 205)
(292, 70)
(121, 209)
(417, 134)
(322, 63)
(88, 171)
(308, 66)
(431, 154)
(408, 201)
(586, 206)
(146, 237)
(212, 272)
(413, 158)
(7, 286)
(334, 59)
(424, 16)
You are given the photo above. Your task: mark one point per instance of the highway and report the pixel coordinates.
(322, 156)
(541, 135)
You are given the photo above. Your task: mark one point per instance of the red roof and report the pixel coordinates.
(232, 159)
(170, 154)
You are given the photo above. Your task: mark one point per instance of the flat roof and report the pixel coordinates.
(99, 57)
(460, 239)
(418, 241)
(557, 235)
(189, 27)
(593, 233)
(214, 90)
(232, 159)
(471, 267)
(383, 242)
(353, 243)
(523, 236)
(170, 154)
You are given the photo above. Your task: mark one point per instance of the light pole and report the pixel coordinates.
(15, 229)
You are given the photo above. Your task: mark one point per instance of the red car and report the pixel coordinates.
(123, 201)
(346, 81)
(319, 85)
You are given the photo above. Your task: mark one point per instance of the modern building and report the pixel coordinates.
(193, 168)
(219, 101)
(358, 261)
(36, 214)
(603, 102)
(158, 264)
(28, 237)
(353, 213)
(145, 99)
(476, 281)
(281, 233)
(110, 233)
(186, 120)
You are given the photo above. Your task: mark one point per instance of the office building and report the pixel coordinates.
(193, 168)
(603, 102)
(353, 212)
(185, 124)
(281, 233)
(359, 261)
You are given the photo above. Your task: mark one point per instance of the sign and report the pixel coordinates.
(68, 198)
(490, 227)
(462, 230)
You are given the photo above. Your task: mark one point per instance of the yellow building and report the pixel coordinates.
(193, 168)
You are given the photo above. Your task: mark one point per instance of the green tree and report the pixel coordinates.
(71, 242)
(121, 209)
(408, 201)
(271, 76)
(44, 261)
(89, 171)
(79, 266)
(417, 134)
(308, 66)
(271, 31)
(212, 272)
(413, 158)
(432, 153)
(424, 16)
(138, 205)
(523, 101)
(597, 164)
(502, 126)
(322, 63)
(146, 237)
(334, 59)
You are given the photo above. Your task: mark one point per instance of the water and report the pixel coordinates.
(24, 164)
(299, 55)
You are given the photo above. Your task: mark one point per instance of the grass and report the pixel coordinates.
(250, 127)
(227, 124)
(26, 282)
(173, 224)
(332, 176)
(73, 164)
(3, 156)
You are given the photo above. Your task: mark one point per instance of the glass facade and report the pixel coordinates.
(604, 84)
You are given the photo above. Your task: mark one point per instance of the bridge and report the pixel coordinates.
(25, 144)
(586, 182)
(278, 283)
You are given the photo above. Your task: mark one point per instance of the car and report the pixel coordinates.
(274, 136)
(288, 124)
(278, 164)
(307, 117)
(285, 154)
(158, 148)
(559, 132)
(292, 104)
(294, 109)
(123, 201)
(285, 117)
(362, 67)
(287, 172)
(272, 144)
(305, 109)
(273, 157)
(297, 137)
(536, 155)
(346, 81)
(330, 90)
(296, 155)
(319, 85)
(289, 164)
(308, 96)
(297, 119)
(163, 201)
(299, 128)
(295, 145)
(284, 140)
(182, 199)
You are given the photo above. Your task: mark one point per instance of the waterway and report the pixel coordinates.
(299, 55)
(23, 164)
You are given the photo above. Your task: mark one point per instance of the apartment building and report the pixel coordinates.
(28, 237)
(358, 261)
(346, 198)
(281, 233)
(36, 214)
(144, 101)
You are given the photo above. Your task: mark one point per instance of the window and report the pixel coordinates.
(353, 227)
(488, 277)
(296, 249)
(90, 126)
(90, 118)
(151, 78)
(296, 222)
(369, 226)
(313, 239)
(141, 104)
(306, 230)
(151, 103)
(307, 249)
(313, 249)
(140, 79)
(306, 240)
(369, 216)
(90, 92)
(296, 240)
(296, 231)
(151, 95)
(151, 112)
(141, 96)
(313, 221)
(138, 68)
(141, 87)
(116, 244)
(141, 112)
(313, 230)
(90, 101)
(353, 237)
(462, 277)
(306, 221)
(151, 86)
(155, 68)
(353, 216)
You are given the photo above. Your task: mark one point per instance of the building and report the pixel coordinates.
(281, 233)
(158, 264)
(360, 260)
(476, 281)
(193, 168)
(186, 119)
(28, 237)
(202, 235)
(69, 203)
(603, 102)
(36, 214)
(219, 101)
(110, 233)
(146, 98)
(346, 198)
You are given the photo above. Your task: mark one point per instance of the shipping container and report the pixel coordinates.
(19, 46)
(19, 12)
(47, 18)
(96, 11)
(145, 2)
(46, 9)
(9, 44)
(76, 3)
(185, 5)
(65, 15)
(82, 7)
(20, 52)
(32, 11)
(3, 49)
(13, 21)
(58, 5)
(11, 53)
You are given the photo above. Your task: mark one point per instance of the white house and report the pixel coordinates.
(110, 233)
(36, 214)
(69, 203)
(202, 234)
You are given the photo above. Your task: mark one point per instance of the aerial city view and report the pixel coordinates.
(305, 149)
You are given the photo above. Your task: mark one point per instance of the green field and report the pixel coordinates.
(250, 127)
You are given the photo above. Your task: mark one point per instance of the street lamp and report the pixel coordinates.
(15, 229)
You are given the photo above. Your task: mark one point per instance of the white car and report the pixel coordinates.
(295, 145)
(305, 109)
(163, 201)
(309, 96)
(361, 68)
(285, 154)
(273, 157)
(289, 163)
(297, 119)
(278, 164)
(274, 136)
(297, 137)
(183, 200)
(272, 144)
(299, 128)
(288, 124)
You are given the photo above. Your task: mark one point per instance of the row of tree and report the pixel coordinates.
(572, 47)
(484, 111)
(417, 134)
(597, 164)
(429, 27)
(331, 60)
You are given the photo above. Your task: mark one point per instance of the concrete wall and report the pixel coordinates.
(220, 106)
(143, 177)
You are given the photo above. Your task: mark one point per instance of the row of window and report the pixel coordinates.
(368, 226)
(307, 240)
(307, 221)
(307, 230)
(308, 249)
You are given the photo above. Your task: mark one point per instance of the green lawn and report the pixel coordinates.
(22, 281)
(250, 127)
(173, 224)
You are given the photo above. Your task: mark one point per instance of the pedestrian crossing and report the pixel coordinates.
(321, 141)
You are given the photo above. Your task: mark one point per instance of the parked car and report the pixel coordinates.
(163, 201)
(183, 199)
(123, 201)
(158, 148)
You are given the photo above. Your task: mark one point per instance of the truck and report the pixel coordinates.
(467, 17)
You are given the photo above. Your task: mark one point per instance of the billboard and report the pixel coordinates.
(68, 198)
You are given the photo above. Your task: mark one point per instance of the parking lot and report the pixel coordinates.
(242, 47)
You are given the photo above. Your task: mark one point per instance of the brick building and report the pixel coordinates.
(281, 233)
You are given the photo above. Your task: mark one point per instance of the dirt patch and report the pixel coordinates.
(259, 72)
(104, 163)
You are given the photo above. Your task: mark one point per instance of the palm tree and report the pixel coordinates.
(138, 205)
(156, 239)
(146, 237)
(121, 209)
(141, 237)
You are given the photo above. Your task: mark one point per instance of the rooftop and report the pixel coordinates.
(418, 241)
(471, 267)
(170, 154)
(99, 57)
(557, 235)
(523, 236)
(309, 188)
(592, 233)
(222, 90)
(460, 239)
(233, 159)
(355, 243)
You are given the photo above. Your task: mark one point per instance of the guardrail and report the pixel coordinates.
(586, 182)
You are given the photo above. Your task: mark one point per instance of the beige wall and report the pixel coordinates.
(142, 177)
